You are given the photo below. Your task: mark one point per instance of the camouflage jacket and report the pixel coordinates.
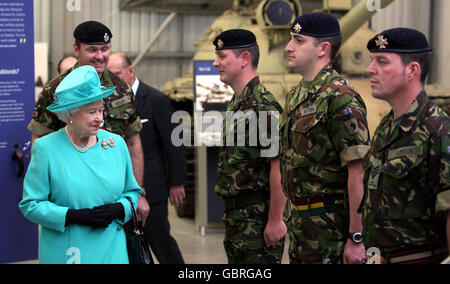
(120, 108)
(407, 179)
(244, 168)
(323, 128)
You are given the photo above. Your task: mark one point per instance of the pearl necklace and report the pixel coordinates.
(79, 149)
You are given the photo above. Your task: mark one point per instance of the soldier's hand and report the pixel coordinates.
(354, 253)
(274, 232)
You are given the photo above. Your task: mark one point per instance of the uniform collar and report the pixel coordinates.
(408, 121)
(314, 86)
(246, 92)
(319, 80)
(410, 117)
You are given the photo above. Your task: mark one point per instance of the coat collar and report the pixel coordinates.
(410, 117)
(306, 89)
(245, 94)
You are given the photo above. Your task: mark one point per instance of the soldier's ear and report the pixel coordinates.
(324, 49)
(413, 71)
(76, 50)
(246, 59)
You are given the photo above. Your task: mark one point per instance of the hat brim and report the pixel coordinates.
(317, 35)
(375, 50)
(236, 46)
(95, 43)
(106, 92)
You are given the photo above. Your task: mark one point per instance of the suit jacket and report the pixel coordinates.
(164, 164)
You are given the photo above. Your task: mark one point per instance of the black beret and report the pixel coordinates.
(316, 25)
(234, 39)
(399, 40)
(92, 33)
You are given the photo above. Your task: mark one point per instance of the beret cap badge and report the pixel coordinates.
(381, 42)
(106, 37)
(220, 43)
(399, 40)
(297, 28)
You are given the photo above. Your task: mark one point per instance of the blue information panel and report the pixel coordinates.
(209, 93)
(18, 237)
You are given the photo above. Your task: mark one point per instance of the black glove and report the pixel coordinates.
(110, 211)
(86, 217)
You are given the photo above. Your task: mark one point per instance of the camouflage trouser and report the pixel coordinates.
(244, 236)
(317, 239)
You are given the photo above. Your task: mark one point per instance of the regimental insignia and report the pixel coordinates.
(381, 42)
(297, 28)
(106, 37)
(220, 43)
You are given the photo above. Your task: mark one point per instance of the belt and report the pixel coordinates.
(317, 205)
(246, 199)
(416, 256)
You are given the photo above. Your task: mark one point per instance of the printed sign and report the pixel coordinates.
(18, 236)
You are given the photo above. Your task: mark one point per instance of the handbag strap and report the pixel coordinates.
(136, 227)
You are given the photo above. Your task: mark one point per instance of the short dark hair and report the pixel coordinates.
(335, 44)
(254, 53)
(423, 59)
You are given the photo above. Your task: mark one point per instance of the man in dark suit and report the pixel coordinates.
(164, 164)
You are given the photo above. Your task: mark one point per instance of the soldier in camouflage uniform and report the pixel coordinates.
(93, 47)
(249, 175)
(407, 179)
(324, 137)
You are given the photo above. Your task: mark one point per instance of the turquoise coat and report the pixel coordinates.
(60, 178)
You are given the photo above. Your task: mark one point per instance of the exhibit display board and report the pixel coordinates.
(18, 237)
(210, 99)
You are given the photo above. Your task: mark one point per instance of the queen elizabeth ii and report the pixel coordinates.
(80, 179)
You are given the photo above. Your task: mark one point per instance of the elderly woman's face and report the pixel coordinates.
(88, 120)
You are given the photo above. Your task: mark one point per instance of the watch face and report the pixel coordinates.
(357, 237)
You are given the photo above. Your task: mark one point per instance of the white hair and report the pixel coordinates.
(66, 114)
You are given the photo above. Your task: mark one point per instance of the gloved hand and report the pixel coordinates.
(86, 217)
(110, 211)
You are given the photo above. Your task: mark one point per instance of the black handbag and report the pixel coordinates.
(138, 249)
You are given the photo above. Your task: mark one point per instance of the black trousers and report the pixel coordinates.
(157, 233)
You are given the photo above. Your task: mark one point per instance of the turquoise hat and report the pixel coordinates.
(82, 86)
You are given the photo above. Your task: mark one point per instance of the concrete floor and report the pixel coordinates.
(195, 248)
(202, 250)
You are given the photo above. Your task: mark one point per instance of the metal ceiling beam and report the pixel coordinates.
(191, 7)
(154, 38)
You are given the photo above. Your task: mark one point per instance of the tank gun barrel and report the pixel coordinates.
(360, 14)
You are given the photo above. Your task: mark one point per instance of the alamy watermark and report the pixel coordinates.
(373, 5)
(240, 129)
(374, 256)
(73, 5)
(74, 255)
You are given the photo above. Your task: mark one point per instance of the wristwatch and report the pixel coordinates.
(356, 237)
